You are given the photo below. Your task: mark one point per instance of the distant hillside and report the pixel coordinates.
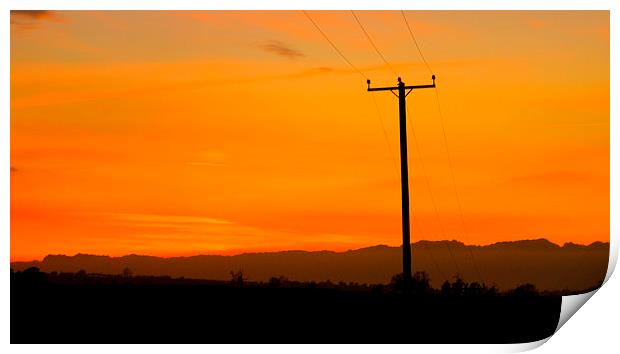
(505, 264)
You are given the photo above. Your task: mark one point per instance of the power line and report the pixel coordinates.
(430, 191)
(374, 101)
(372, 43)
(381, 119)
(432, 257)
(333, 45)
(456, 193)
(458, 200)
(385, 135)
(430, 252)
(416, 42)
(428, 249)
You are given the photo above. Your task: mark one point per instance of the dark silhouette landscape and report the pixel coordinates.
(355, 296)
(549, 266)
(305, 297)
(94, 308)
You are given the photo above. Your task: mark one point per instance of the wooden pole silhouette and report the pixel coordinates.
(404, 170)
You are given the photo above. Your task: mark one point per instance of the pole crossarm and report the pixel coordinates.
(381, 88)
(414, 87)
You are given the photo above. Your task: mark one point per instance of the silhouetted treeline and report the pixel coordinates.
(421, 283)
(124, 308)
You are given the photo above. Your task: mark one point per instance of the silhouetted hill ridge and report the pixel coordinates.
(540, 244)
(442, 243)
(505, 264)
(594, 245)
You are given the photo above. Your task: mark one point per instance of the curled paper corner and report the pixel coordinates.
(613, 259)
(523, 347)
(571, 304)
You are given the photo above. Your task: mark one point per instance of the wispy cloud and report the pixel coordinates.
(212, 158)
(167, 219)
(283, 50)
(30, 19)
(144, 232)
(31, 14)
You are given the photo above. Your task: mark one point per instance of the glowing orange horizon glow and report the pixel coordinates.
(220, 132)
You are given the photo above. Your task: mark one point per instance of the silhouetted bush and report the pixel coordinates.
(397, 282)
(127, 273)
(526, 289)
(32, 275)
(274, 282)
(474, 289)
(445, 288)
(460, 287)
(420, 283)
(327, 284)
(31, 270)
(237, 278)
(377, 289)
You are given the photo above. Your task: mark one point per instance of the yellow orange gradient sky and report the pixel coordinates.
(179, 133)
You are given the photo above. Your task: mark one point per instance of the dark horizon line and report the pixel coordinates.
(460, 244)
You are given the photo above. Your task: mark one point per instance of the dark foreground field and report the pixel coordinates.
(115, 309)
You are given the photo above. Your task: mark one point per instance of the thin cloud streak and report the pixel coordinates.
(174, 219)
(283, 50)
(31, 19)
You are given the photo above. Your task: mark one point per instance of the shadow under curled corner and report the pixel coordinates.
(572, 303)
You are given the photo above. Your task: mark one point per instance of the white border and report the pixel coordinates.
(590, 329)
(310, 5)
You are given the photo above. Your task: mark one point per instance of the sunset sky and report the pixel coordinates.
(180, 133)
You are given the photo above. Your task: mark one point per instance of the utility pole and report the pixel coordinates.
(404, 170)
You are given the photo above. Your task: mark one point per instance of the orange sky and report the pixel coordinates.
(179, 133)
